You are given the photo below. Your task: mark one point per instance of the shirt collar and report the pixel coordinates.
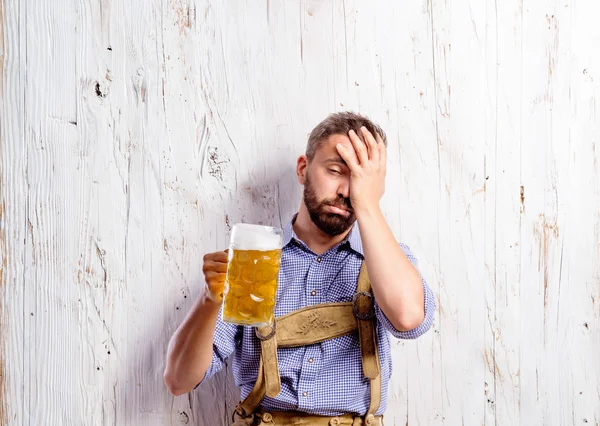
(353, 238)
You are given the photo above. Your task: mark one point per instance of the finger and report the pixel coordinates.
(213, 277)
(359, 147)
(372, 145)
(382, 151)
(219, 256)
(216, 266)
(349, 156)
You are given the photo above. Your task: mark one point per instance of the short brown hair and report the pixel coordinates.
(340, 123)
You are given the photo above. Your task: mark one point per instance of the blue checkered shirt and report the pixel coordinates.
(324, 378)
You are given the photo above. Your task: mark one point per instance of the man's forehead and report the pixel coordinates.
(333, 140)
(328, 147)
(335, 159)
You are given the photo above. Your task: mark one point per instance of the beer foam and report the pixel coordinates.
(247, 236)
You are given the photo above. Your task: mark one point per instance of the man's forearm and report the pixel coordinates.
(190, 349)
(396, 283)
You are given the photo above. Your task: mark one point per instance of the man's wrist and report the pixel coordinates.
(368, 211)
(210, 299)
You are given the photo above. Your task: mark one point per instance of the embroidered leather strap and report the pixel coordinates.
(315, 324)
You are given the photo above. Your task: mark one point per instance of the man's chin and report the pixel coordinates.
(334, 228)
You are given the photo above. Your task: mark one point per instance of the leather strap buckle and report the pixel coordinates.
(355, 309)
(268, 336)
(370, 420)
(239, 411)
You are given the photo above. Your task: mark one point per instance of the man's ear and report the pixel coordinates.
(301, 166)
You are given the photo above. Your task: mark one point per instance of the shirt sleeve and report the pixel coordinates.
(429, 304)
(226, 339)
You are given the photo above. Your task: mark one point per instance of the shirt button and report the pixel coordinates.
(319, 259)
(305, 394)
(311, 360)
(313, 293)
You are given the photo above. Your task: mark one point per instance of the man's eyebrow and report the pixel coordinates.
(335, 160)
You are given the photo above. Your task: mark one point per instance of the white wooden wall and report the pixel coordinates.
(134, 133)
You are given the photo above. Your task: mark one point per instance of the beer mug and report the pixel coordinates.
(251, 278)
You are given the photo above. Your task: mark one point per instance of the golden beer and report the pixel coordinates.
(251, 280)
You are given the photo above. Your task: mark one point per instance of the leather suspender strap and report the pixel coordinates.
(268, 346)
(364, 309)
(375, 391)
(256, 395)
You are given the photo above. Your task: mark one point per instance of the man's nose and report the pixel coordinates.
(344, 189)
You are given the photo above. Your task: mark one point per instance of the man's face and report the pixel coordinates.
(327, 188)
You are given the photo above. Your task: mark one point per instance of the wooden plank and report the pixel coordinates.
(544, 224)
(52, 205)
(575, 113)
(13, 231)
(462, 113)
(504, 195)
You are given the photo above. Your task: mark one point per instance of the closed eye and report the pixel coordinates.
(335, 171)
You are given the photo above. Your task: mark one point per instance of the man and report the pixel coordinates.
(343, 174)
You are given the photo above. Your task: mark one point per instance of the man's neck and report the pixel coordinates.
(316, 240)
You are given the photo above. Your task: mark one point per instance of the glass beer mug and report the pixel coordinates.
(251, 278)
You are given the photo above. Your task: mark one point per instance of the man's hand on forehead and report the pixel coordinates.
(367, 164)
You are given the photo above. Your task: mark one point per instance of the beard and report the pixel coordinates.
(330, 223)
